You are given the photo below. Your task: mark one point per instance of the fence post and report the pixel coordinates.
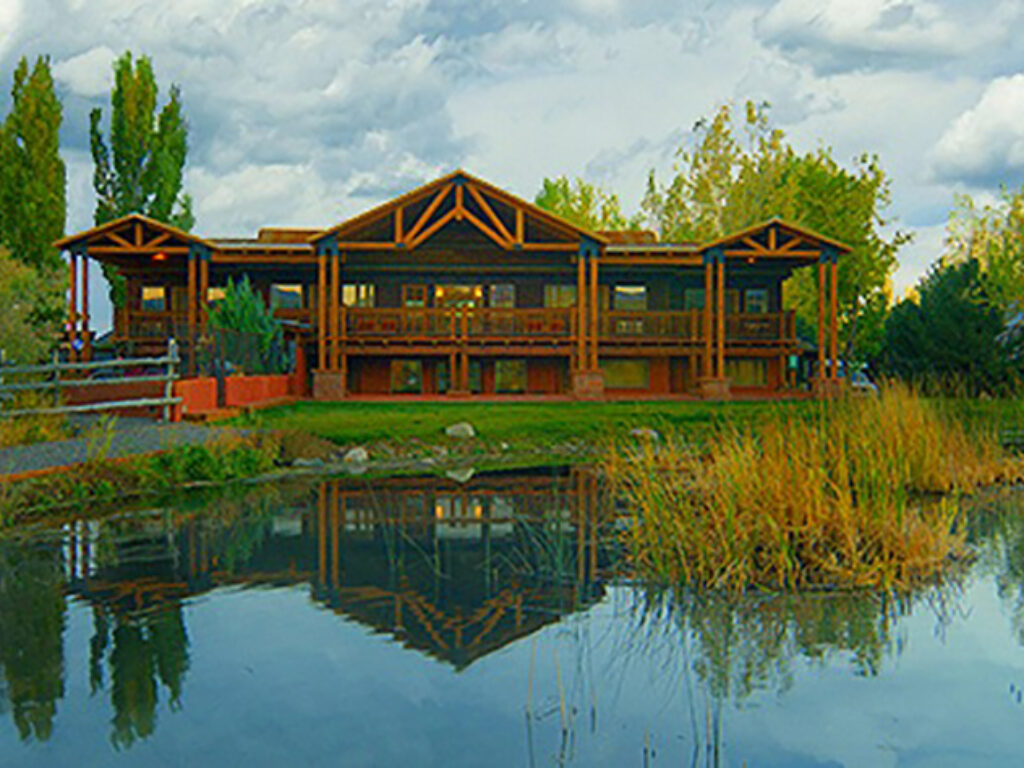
(55, 378)
(172, 358)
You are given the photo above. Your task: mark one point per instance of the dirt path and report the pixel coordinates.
(131, 437)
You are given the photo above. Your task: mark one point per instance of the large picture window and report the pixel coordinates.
(747, 372)
(631, 298)
(627, 373)
(509, 375)
(407, 377)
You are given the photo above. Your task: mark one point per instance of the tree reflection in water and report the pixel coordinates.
(32, 619)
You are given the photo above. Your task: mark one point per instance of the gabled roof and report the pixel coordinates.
(346, 228)
(116, 224)
(794, 229)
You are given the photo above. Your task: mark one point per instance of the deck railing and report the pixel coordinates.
(489, 324)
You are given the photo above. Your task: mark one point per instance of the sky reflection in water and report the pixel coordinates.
(427, 622)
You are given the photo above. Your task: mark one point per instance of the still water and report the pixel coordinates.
(443, 622)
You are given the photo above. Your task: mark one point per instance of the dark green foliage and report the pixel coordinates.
(952, 337)
(33, 185)
(140, 168)
(245, 332)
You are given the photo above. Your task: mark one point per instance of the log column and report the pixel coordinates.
(329, 378)
(86, 334)
(833, 324)
(714, 385)
(821, 375)
(72, 304)
(204, 292)
(587, 377)
(190, 294)
(709, 292)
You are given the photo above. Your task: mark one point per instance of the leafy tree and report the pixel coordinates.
(584, 204)
(993, 235)
(953, 337)
(727, 182)
(140, 168)
(248, 334)
(22, 291)
(33, 185)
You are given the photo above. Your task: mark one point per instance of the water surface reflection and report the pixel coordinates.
(444, 620)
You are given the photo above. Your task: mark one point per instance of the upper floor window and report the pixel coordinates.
(559, 296)
(693, 298)
(358, 295)
(631, 298)
(501, 296)
(755, 301)
(286, 296)
(154, 298)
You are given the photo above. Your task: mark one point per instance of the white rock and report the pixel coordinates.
(357, 455)
(645, 433)
(460, 429)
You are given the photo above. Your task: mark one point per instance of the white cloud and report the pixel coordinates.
(89, 73)
(10, 15)
(840, 35)
(985, 144)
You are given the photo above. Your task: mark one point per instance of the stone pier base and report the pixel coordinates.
(328, 385)
(826, 389)
(715, 389)
(588, 385)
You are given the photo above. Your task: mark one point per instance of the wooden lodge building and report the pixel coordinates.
(459, 288)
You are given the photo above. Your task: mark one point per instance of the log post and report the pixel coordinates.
(821, 318)
(190, 294)
(321, 309)
(721, 316)
(709, 292)
(834, 314)
(72, 304)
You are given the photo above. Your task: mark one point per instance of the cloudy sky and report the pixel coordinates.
(304, 112)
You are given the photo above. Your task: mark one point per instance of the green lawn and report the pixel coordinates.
(538, 424)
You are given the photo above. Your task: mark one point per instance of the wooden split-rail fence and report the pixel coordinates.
(55, 377)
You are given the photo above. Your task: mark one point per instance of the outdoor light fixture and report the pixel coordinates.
(160, 256)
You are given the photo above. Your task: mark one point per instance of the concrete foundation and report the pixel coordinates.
(715, 389)
(588, 385)
(328, 385)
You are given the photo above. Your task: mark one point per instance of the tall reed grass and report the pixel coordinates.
(857, 492)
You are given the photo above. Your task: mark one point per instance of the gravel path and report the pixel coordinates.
(132, 436)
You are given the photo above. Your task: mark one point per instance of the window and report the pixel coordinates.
(631, 298)
(755, 301)
(407, 377)
(559, 296)
(501, 296)
(284, 296)
(509, 375)
(732, 301)
(154, 298)
(627, 373)
(693, 298)
(357, 295)
(444, 380)
(414, 296)
(214, 294)
(747, 372)
(458, 295)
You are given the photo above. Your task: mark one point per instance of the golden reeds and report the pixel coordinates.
(843, 496)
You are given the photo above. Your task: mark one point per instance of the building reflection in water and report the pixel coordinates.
(453, 570)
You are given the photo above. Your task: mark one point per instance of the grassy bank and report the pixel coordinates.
(221, 460)
(832, 496)
(517, 427)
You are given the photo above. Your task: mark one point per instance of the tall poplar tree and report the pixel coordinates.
(140, 167)
(584, 204)
(33, 183)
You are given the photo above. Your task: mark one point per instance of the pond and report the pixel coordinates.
(466, 621)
